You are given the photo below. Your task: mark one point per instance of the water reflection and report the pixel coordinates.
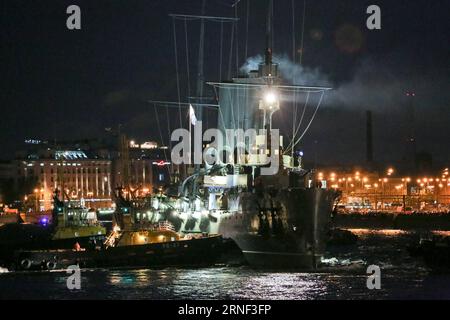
(379, 232)
(131, 277)
(402, 277)
(280, 286)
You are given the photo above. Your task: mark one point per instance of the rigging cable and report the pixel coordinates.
(220, 109)
(169, 136)
(187, 58)
(303, 33)
(237, 39)
(176, 68)
(232, 110)
(221, 51)
(238, 101)
(301, 62)
(159, 129)
(300, 123)
(312, 119)
(231, 51)
(294, 120)
(246, 29)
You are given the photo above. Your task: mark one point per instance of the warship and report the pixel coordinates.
(278, 220)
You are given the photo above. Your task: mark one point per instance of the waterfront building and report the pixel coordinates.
(87, 175)
(387, 189)
(83, 178)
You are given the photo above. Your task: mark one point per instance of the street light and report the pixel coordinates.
(406, 181)
(383, 182)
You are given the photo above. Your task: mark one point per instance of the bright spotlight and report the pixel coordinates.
(270, 98)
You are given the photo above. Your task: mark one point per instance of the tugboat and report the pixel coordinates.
(70, 225)
(73, 224)
(131, 243)
(151, 247)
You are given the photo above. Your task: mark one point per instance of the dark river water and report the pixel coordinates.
(402, 277)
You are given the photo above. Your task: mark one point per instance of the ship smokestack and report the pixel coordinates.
(369, 137)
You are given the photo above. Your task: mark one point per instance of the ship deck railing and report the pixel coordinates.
(83, 223)
(163, 226)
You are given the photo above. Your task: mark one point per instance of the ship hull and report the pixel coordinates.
(275, 253)
(195, 252)
(283, 230)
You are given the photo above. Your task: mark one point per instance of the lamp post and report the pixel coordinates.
(383, 190)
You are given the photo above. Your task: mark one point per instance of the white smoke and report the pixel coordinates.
(251, 64)
(373, 85)
(290, 71)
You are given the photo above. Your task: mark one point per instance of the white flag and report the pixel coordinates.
(192, 115)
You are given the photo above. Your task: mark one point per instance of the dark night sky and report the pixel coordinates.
(73, 84)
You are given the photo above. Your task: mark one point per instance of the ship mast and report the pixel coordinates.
(268, 69)
(200, 74)
(269, 34)
(269, 103)
(200, 83)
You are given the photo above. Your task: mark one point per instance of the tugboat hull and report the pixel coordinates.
(195, 252)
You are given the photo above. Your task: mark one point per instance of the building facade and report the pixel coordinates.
(82, 179)
(89, 174)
